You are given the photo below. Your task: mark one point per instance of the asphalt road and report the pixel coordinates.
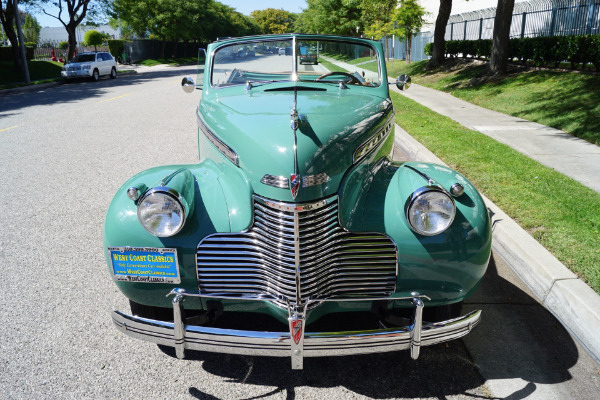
(65, 150)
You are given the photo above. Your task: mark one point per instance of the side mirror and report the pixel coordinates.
(403, 82)
(188, 84)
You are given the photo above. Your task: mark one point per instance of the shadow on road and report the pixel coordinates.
(517, 338)
(65, 93)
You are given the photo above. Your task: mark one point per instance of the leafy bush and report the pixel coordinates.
(428, 49)
(93, 38)
(63, 45)
(594, 53)
(541, 51)
(453, 47)
(116, 47)
(483, 48)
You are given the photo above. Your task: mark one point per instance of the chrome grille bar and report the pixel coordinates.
(294, 252)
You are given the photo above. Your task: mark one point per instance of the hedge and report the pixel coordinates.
(7, 55)
(116, 47)
(542, 51)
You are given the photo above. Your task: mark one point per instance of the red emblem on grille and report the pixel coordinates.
(296, 330)
(295, 184)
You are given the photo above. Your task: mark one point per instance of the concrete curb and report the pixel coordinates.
(568, 298)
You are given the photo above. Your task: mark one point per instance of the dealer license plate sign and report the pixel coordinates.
(144, 264)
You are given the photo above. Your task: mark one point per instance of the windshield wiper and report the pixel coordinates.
(250, 84)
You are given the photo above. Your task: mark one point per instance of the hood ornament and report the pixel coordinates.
(295, 178)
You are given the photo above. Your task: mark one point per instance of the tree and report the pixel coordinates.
(181, 21)
(377, 17)
(31, 29)
(124, 28)
(273, 20)
(439, 49)
(408, 20)
(93, 38)
(336, 17)
(501, 37)
(7, 17)
(76, 11)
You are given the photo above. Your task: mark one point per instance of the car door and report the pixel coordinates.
(99, 64)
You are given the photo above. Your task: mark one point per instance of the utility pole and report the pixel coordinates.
(22, 43)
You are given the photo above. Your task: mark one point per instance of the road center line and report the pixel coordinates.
(9, 128)
(114, 98)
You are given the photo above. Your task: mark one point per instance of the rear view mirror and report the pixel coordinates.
(188, 84)
(403, 82)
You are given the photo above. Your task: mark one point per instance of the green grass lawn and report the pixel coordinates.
(170, 61)
(565, 100)
(557, 211)
(38, 71)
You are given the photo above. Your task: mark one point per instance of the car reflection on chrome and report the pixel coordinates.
(296, 235)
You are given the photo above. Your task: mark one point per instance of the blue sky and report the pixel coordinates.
(243, 6)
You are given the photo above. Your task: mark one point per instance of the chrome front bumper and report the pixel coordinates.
(296, 343)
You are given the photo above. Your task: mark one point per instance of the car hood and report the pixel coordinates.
(79, 64)
(332, 124)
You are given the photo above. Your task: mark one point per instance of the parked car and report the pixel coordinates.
(296, 235)
(90, 65)
(307, 56)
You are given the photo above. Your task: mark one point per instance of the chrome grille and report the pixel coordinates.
(332, 263)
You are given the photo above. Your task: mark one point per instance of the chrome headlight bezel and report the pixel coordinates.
(420, 200)
(170, 195)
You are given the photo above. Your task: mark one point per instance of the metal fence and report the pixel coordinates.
(397, 49)
(45, 53)
(530, 19)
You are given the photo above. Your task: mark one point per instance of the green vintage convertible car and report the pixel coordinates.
(296, 235)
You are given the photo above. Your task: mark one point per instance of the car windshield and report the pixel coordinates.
(84, 58)
(317, 60)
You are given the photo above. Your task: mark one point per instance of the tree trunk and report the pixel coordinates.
(439, 52)
(500, 41)
(72, 40)
(7, 21)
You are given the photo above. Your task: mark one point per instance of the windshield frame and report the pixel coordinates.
(295, 76)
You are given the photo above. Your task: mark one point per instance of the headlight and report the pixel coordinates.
(430, 211)
(161, 212)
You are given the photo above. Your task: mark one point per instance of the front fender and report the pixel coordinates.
(220, 202)
(447, 267)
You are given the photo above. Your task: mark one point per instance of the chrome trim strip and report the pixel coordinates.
(284, 183)
(298, 272)
(374, 141)
(218, 143)
(314, 180)
(276, 181)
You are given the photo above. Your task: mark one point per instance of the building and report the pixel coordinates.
(55, 35)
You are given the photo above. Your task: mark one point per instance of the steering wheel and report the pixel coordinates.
(353, 79)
